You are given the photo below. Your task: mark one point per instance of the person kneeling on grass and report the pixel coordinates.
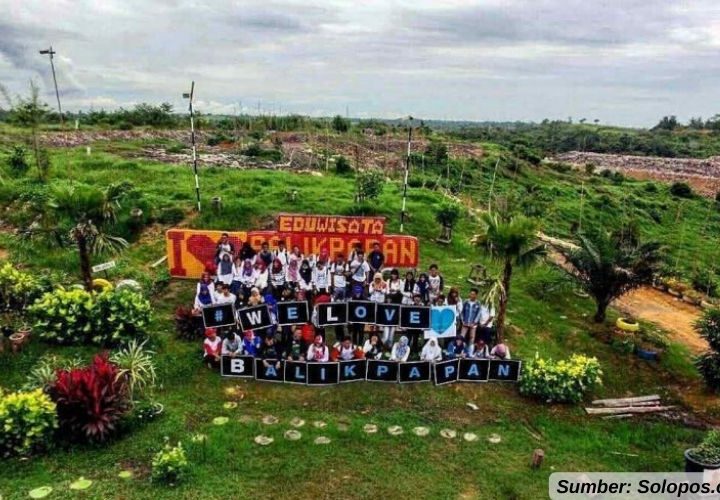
(318, 351)
(251, 343)
(431, 351)
(295, 349)
(500, 351)
(373, 348)
(232, 344)
(400, 350)
(212, 348)
(345, 350)
(457, 349)
(269, 353)
(480, 349)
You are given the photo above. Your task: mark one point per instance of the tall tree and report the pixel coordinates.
(512, 241)
(609, 265)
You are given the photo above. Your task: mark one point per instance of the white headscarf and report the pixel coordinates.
(431, 350)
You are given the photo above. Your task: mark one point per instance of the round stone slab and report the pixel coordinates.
(421, 431)
(263, 440)
(292, 435)
(448, 433)
(395, 430)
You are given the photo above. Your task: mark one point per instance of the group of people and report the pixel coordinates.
(244, 277)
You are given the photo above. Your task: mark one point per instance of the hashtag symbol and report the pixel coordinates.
(218, 316)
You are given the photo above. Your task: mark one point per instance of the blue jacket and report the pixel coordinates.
(470, 312)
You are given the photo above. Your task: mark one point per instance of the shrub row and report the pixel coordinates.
(564, 381)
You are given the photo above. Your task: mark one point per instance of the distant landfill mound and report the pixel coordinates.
(702, 174)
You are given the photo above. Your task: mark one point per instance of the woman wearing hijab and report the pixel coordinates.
(277, 278)
(378, 289)
(261, 277)
(318, 351)
(236, 284)
(305, 277)
(204, 297)
(292, 274)
(247, 252)
(225, 270)
(395, 287)
(247, 277)
(254, 299)
(205, 279)
(422, 288)
(431, 351)
(373, 348)
(400, 350)
(453, 299)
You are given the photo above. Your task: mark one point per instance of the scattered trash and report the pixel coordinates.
(292, 435)
(263, 440)
(472, 406)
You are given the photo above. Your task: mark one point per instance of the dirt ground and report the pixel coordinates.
(673, 315)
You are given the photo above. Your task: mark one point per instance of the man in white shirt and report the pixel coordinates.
(338, 269)
(359, 269)
(485, 324)
(223, 295)
(281, 253)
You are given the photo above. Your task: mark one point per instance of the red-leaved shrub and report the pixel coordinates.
(90, 400)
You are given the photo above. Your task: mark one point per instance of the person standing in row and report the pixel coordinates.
(339, 271)
(376, 259)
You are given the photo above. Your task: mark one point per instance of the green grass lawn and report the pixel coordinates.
(356, 464)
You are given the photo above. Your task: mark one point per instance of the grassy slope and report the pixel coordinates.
(355, 465)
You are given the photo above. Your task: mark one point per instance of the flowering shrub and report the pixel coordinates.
(17, 289)
(90, 400)
(79, 317)
(28, 421)
(119, 315)
(170, 464)
(564, 381)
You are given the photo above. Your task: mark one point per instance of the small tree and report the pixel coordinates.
(369, 184)
(610, 265)
(342, 166)
(447, 215)
(17, 162)
(340, 124)
(708, 326)
(512, 241)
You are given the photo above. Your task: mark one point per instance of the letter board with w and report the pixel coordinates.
(254, 318)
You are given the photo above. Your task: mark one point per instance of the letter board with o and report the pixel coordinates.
(220, 315)
(334, 313)
(322, 373)
(414, 371)
(270, 373)
(446, 372)
(415, 317)
(296, 372)
(382, 371)
(238, 366)
(360, 311)
(353, 370)
(387, 315)
(292, 313)
(474, 370)
(504, 371)
(254, 318)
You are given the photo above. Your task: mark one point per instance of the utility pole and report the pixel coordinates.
(407, 174)
(51, 53)
(192, 137)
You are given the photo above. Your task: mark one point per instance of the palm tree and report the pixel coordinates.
(512, 241)
(92, 213)
(608, 265)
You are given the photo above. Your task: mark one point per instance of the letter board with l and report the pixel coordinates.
(334, 313)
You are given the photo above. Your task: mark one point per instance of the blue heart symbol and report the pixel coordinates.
(441, 319)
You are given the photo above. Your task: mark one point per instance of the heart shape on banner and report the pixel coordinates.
(441, 320)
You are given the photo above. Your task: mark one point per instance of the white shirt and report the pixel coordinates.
(321, 278)
(338, 274)
(221, 298)
(359, 270)
(283, 256)
(486, 313)
(378, 291)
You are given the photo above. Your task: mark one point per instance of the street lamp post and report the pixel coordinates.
(192, 136)
(51, 53)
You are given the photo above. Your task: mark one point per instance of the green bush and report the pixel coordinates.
(448, 214)
(342, 166)
(681, 190)
(17, 162)
(709, 450)
(170, 465)
(44, 373)
(564, 381)
(17, 289)
(28, 422)
(708, 364)
(79, 317)
(171, 215)
(369, 184)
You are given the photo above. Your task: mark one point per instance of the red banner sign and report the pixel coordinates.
(189, 251)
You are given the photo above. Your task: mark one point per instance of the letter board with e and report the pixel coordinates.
(238, 366)
(292, 313)
(387, 315)
(360, 311)
(334, 313)
(221, 315)
(254, 318)
(415, 371)
(322, 373)
(415, 317)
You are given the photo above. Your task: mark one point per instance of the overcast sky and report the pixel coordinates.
(626, 62)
